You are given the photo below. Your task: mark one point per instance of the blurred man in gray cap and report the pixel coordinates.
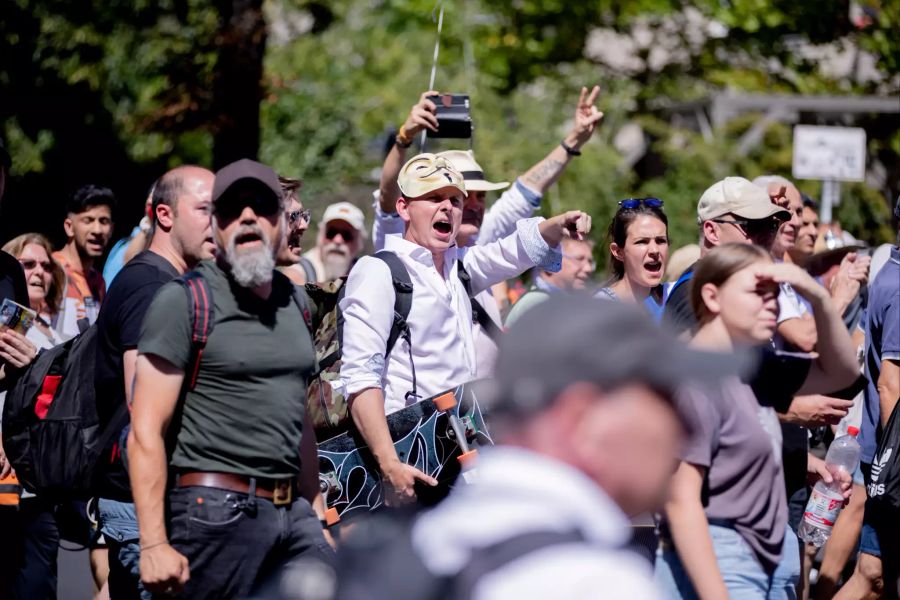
(586, 435)
(234, 513)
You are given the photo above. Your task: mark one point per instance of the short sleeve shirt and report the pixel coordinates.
(245, 414)
(882, 343)
(118, 330)
(678, 314)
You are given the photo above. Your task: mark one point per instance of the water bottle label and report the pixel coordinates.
(823, 508)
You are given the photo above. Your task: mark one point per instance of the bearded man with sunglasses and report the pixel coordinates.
(233, 514)
(338, 243)
(732, 210)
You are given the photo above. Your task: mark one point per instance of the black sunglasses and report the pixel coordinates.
(634, 203)
(243, 194)
(30, 263)
(347, 234)
(753, 227)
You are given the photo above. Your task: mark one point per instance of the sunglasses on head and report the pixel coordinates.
(29, 264)
(332, 232)
(634, 203)
(296, 216)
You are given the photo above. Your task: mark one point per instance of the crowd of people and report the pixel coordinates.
(699, 386)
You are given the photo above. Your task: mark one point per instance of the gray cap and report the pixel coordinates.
(245, 169)
(577, 338)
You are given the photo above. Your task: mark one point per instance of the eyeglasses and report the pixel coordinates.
(29, 264)
(348, 234)
(752, 228)
(634, 203)
(296, 216)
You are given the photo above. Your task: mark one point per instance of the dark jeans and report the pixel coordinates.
(36, 577)
(236, 544)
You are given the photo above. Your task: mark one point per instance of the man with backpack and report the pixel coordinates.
(438, 351)
(214, 452)
(181, 206)
(585, 437)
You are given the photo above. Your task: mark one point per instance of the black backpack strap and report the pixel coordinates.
(309, 271)
(403, 297)
(491, 558)
(200, 307)
(302, 302)
(479, 313)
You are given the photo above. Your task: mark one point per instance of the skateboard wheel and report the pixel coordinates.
(445, 402)
(332, 517)
(467, 459)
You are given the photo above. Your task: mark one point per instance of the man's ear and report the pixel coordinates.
(165, 216)
(403, 209)
(69, 227)
(711, 233)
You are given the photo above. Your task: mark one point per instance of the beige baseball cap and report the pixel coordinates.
(426, 173)
(464, 161)
(737, 196)
(344, 211)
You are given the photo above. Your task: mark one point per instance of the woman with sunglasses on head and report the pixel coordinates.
(45, 280)
(638, 248)
(726, 532)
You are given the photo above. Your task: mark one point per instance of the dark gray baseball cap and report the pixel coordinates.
(245, 170)
(573, 338)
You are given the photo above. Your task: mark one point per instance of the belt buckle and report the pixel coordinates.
(283, 492)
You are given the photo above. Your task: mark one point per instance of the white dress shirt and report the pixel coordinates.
(516, 203)
(440, 321)
(515, 492)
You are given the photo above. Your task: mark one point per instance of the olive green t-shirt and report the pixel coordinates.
(245, 414)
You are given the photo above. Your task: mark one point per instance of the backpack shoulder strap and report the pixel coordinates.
(298, 293)
(403, 298)
(403, 295)
(685, 277)
(309, 270)
(479, 313)
(200, 307)
(484, 561)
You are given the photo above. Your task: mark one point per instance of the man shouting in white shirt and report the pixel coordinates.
(442, 352)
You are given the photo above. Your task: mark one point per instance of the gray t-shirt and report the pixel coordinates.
(738, 441)
(245, 415)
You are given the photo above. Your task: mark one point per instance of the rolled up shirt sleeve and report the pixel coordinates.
(367, 308)
(495, 262)
(517, 202)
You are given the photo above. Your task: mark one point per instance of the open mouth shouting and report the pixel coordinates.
(443, 228)
(247, 239)
(654, 269)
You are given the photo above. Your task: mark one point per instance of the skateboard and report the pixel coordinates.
(437, 435)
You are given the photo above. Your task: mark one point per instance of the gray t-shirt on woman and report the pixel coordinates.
(738, 441)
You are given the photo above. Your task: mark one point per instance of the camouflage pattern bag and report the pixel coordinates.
(326, 404)
(327, 407)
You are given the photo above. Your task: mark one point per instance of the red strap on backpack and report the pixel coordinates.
(45, 398)
(201, 310)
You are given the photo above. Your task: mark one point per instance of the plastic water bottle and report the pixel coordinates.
(826, 500)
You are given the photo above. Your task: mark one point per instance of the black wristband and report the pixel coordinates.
(324, 523)
(569, 150)
(400, 144)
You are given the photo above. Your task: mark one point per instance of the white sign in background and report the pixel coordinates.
(835, 153)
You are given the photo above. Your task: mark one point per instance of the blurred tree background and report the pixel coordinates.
(115, 92)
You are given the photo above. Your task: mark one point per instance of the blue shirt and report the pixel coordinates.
(116, 259)
(882, 343)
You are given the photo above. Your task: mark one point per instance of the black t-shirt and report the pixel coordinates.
(677, 313)
(119, 328)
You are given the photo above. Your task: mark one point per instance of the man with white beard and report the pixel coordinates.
(338, 243)
(236, 511)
